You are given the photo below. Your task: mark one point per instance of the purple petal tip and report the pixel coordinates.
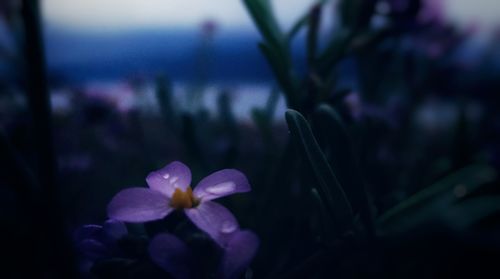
(138, 205)
(239, 253)
(222, 183)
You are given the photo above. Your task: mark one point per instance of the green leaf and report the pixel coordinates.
(164, 98)
(272, 103)
(469, 212)
(334, 51)
(367, 40)
(275, 48)
(438, 196)
(326, 223)
(282, 72)
(312, 34)
(263, 17)
(230, 128)
(328, 185)
(301, 22)
(334, 137)
(263, 118)
(342, 158)
(225, 112)
(356, 14)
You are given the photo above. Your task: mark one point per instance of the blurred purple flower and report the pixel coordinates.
(209, 27)
(354, 105)
(96, 242)
(174, 256)
(432, 11)
(169, 190)
(390, 113)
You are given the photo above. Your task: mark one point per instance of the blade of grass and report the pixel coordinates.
(326, 223)
(328, 186)
(343, 160)
(39, 102)
(283, 73)
(164, 98)
(263, 17)
(333, 52)
(301, 23)
(469, 212)
(447, 190)
(312, 34)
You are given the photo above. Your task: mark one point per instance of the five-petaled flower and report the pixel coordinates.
(169, 189)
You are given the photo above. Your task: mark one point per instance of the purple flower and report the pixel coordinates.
(175, 257)
(432, 12)
(169, 189)
(172, 255)
(238, 254)
(96, 242)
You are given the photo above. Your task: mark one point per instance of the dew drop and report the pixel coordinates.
(174, 179)
(228, 227)
(166, 176)
(221, 188)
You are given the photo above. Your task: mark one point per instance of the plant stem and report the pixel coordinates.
(39, 101)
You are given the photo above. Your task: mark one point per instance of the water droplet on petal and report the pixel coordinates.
(166, 176)
(221, 188)
(228, 227)
(174, 179)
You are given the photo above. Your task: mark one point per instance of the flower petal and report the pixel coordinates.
(86, 232)
(93, 249)
(165, 180)
(138, 205)
(221, 183)
(239, 252)
(214, 219)
(114, 229)
(172, 255)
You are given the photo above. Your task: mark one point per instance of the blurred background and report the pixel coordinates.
(96, 94)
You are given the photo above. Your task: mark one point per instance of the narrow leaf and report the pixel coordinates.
(312, 34)
(328, 185)
(441, 194)
(164, 98)
(335, 137)
(334, 51)
(302, 22)
(281, 69)
(263, 17)
(469, 212)
(326, 223)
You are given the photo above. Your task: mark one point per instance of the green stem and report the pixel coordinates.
(39, 102)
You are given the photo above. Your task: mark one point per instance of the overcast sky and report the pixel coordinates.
(123, 14)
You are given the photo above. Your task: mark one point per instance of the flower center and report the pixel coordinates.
(181, 199)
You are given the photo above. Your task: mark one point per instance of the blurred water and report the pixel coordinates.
(75, 57)
(125, 98)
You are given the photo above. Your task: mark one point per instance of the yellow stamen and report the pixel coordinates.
(182, 199)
